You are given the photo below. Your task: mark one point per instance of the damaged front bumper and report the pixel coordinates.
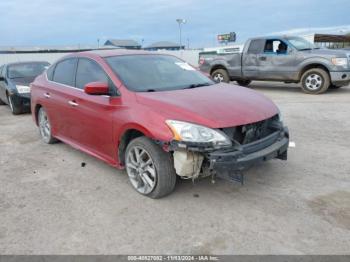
(244, 156)
(228, 163)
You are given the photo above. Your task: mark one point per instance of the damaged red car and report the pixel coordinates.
(156, 116)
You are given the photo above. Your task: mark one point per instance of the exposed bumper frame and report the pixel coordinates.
(251, 154)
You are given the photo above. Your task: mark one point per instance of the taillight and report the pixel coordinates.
(201, 61)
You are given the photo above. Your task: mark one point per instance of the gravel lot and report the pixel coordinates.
(50, 204)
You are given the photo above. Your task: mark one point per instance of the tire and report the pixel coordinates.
(15, 109)
(315, 81)
(243, 82)
(154, 184)
(220, 75)
(45, 127)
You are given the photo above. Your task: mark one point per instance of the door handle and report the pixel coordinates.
(73, 103)
(47, 95)
(262, 58)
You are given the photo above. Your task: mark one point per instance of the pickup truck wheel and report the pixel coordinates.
(45, 127)
(220, 75)
(150, 169)
(243, 82)
(315, 81)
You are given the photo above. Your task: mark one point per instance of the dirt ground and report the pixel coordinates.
(50, 204)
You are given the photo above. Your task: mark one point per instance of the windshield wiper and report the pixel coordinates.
(197, 85)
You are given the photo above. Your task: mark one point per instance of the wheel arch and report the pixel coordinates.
(36, 112)
(216, 67)
(313, 65)
(126, 137)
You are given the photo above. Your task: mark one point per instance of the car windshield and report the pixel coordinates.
(152, 73)
(301, 43)
(26, 70)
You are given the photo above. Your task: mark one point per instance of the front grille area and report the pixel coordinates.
(249, 133)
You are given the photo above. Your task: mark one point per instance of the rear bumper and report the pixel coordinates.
(340, 78)
(273, 146)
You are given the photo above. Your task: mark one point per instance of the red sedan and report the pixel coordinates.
(156, 116)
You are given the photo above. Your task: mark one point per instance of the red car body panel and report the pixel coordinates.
(98, 123)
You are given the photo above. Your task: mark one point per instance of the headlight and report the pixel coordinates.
(189, 132)
(23, 89)
(280, 116)
(340, 61)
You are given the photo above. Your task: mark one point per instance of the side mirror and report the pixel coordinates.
(2, 78)
(97, 88)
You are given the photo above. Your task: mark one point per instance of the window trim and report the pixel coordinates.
(117, 92)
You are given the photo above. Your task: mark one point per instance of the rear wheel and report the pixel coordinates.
(45, 127)
(15, 109)
(315, 81)
(150, 169)
(243, 82)
(220, 75)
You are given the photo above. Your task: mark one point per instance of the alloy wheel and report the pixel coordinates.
(44, 125)
(141, 170)
(218, 78)
(314, 82)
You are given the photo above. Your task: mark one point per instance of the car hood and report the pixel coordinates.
(25, 81)
(217, 106)
(330, 52)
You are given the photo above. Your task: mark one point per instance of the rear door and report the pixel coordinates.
(60, 91)
(277, 62)
(250, 62)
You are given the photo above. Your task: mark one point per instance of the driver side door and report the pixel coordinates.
(275, 64)
(91, 116)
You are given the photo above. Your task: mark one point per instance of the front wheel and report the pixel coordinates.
(315, 81)
(220, 75)
(45, 127)
(15, 108)
(150, 169)
(243, 82)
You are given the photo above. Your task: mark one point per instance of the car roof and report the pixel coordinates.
(115, 52)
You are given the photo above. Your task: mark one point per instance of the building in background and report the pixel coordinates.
(164, 45)
(329, 40)
(122, 43)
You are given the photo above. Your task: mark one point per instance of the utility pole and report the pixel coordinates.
(180, 21)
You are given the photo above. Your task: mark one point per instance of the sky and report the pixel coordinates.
(63, 22)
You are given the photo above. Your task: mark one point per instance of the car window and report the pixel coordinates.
(152, 73)
(65, 71)
(256, 46)
(23, 70)
(275, 46)
(49, 72)
(89, 71)
(1, 69)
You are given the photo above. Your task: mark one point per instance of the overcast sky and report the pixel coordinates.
(63, 22)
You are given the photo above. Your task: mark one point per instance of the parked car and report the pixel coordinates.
(156, 116)
(288, 59)
(14, 84)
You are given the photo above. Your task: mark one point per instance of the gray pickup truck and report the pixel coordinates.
(289, 59)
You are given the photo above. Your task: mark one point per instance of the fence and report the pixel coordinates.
(190, 56)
